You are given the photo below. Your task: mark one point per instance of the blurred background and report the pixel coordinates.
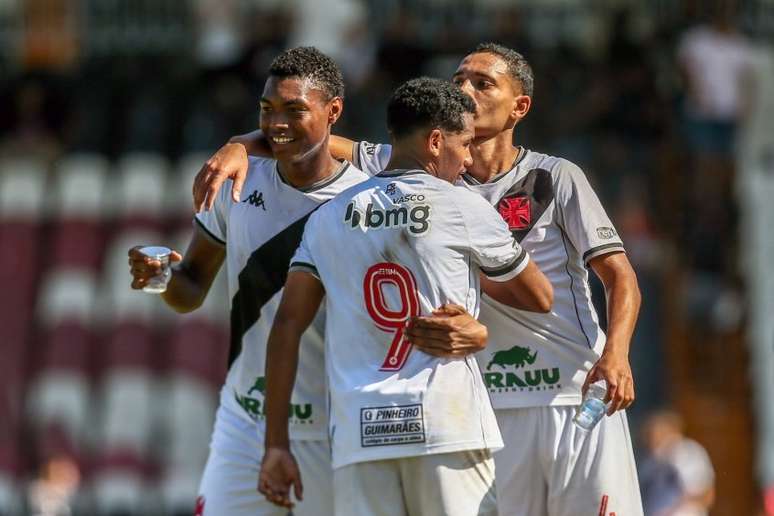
(109, 107)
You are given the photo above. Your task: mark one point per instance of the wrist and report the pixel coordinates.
(615, 349)
(277, 444)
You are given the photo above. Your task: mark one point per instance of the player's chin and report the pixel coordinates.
(286, 150)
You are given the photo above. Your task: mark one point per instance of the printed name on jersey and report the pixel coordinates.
(415, 217)
(256, 199)
(388, 426)
(526, 201)
(606, 233)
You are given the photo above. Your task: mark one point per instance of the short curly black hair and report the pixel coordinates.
(427, 103)
(518, 67)
(310, 63)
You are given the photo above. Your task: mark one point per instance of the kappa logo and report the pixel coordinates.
(516, 212)
(606, 233)
(415, 217)
(256, 199)
(391, 189)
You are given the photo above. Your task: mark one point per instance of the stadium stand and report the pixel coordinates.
(22, 194)
(127, 393)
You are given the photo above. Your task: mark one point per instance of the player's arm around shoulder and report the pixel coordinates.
(530, 290)
(192, 273)
(231, 162)
(449, 332)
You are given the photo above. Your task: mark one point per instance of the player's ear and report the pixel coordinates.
(521, 105)
(335, 108)
(434, 142)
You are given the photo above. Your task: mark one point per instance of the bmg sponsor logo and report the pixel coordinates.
(415, 217)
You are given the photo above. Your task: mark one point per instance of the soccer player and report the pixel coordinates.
(411, 433)
(536, 366)
(301, 100)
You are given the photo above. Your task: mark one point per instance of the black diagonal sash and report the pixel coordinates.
(263, 275)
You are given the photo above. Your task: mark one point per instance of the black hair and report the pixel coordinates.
(427, 103)
(518, 67)
(310, 63)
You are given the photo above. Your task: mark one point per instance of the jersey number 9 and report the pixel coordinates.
(393, 321)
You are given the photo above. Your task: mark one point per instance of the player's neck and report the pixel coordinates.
(405, 160)
(493, 156)
(310, 169)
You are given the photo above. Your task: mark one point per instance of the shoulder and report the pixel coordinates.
(560, 169)
(258, 163)
(355, 174)
(361, 187)
(470, 204)
(260, 171)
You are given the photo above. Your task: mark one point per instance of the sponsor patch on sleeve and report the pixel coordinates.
(606, 233)
(387, 426)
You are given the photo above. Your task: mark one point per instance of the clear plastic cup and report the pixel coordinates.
(593, 407)
(158, 284)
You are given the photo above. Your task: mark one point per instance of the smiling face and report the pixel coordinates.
(500, 102)
(296, 117)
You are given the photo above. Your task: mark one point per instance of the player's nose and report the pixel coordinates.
(468, 89)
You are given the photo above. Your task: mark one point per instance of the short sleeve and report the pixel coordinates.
(583, 219)
(303, 259)
(493, 247)
(214, 222)
(371, 158)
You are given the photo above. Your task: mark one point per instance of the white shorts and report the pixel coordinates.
(551, 467)
(229, 484)
(444, 484)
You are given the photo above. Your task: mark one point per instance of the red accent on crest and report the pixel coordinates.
(199, 511)
(516, 212)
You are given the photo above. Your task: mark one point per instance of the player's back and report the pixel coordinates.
(394, 246)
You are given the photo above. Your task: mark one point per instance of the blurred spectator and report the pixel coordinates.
(714, 60)
(676, 475)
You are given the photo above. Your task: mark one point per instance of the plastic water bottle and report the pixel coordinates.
(593, 407)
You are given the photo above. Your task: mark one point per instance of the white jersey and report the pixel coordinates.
(537, 359)
(261, 233)
(409, 247)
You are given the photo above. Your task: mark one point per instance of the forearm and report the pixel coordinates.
(254, 142)
(185, 291)
(530, 290)
(623, 306)
(281, 365)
